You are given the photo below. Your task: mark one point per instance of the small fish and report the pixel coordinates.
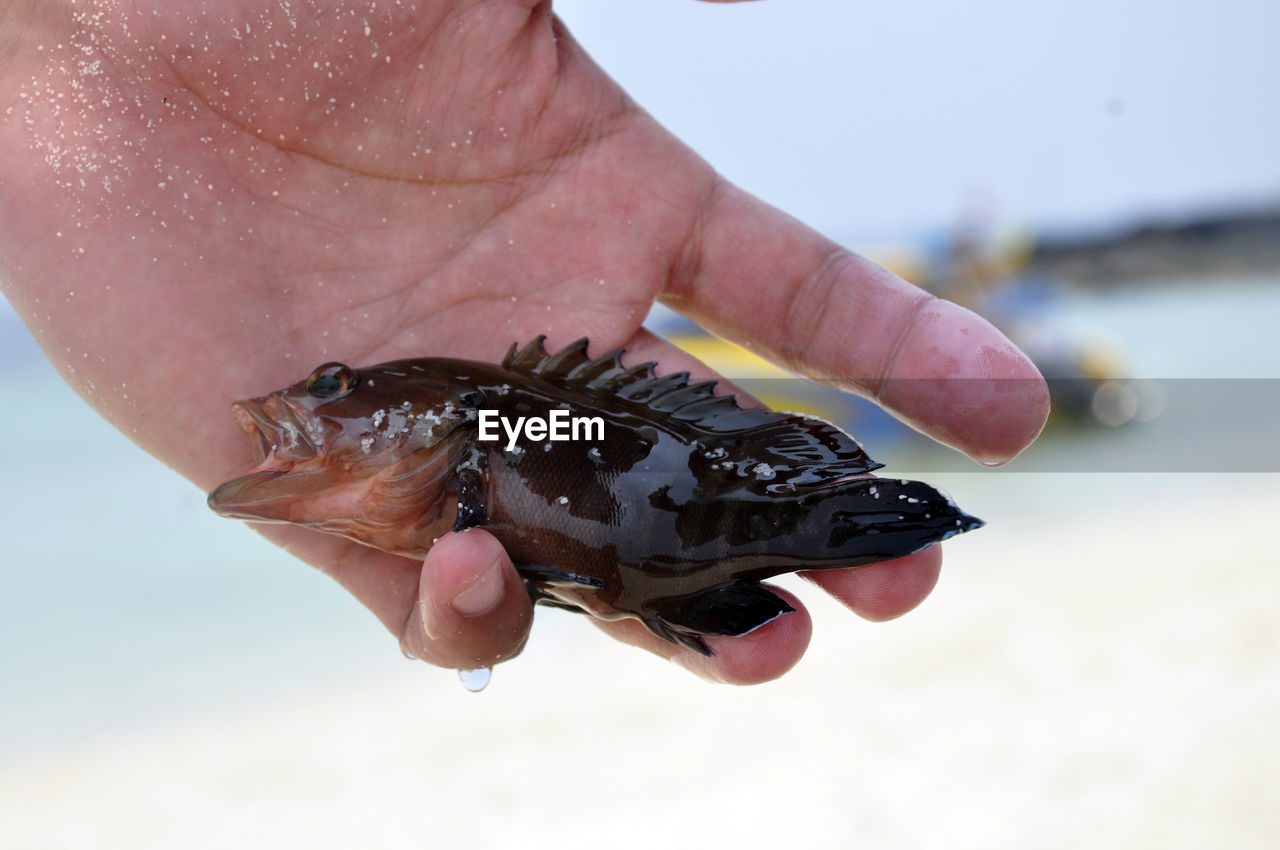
(671, 505)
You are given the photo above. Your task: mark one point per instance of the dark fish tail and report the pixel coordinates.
(865, 520)
(875, 519)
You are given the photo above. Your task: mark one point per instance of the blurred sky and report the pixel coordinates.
(883, 121)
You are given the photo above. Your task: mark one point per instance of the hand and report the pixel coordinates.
(201, 202)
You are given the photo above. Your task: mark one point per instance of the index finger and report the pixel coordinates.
(756, 276)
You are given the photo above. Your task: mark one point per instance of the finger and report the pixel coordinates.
(759, 656)
(473, 609)
(885, 590)
(754, 275)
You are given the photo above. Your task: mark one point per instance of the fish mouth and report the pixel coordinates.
(280, 445)
(275, 434)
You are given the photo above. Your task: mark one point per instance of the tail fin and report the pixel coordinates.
(875, 519)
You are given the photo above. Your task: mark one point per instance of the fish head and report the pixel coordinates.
(361, 453)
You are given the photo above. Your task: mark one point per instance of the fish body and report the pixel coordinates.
(670, 506)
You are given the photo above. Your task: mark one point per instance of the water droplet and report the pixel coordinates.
(475, 680)
(992, 463)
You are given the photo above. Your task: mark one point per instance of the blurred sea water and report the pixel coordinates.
(1215, 328)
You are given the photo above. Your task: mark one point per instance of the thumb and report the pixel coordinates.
(472, 609)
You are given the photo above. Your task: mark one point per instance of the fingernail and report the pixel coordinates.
(482, 594)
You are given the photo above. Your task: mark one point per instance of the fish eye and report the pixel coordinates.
(331, 379)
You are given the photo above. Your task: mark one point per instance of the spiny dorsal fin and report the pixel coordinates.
(748, 448)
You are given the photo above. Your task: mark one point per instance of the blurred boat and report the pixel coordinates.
(1090, 379)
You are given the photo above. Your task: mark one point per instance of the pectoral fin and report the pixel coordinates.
(541, 582)
(472, 510)
(730, 608)
(556, 577)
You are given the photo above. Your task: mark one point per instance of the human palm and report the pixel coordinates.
(202, 204)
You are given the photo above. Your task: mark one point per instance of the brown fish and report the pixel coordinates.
(670, 506)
